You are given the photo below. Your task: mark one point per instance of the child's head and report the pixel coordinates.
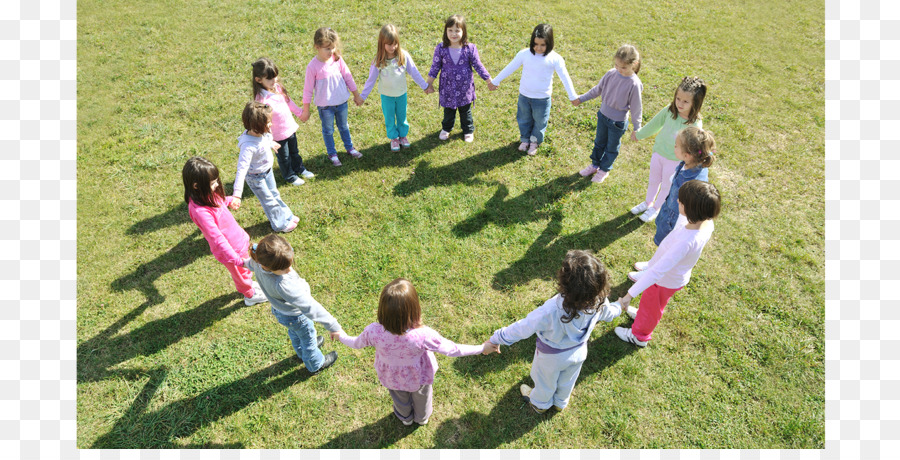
(265, 74)
(455, 30)
(257, 117)
(695, 147)
(698, 201)
(398, 307)
(274, 253)
(688, 99)
(541, 39)
(327, 43)
(627, 60)
(582, 281)
(389, 43)
(201, 182)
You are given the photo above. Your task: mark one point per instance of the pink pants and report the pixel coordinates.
(650, 310)
(242, 276)
(661, 169)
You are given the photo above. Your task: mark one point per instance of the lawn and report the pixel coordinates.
(169, 356)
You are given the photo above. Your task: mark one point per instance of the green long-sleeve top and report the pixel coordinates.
(665, 128)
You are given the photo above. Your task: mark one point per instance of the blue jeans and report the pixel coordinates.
(330, 115)
(394, 110)
(289, 160)
(263, 186)
(302, 333)
(532, 116)
(607, 141)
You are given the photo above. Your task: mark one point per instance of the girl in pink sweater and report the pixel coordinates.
(208, 208)
(404, 347)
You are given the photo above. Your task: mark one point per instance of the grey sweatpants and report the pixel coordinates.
(412, 405)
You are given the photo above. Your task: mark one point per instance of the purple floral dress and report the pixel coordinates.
(456, 85)
(406, 362)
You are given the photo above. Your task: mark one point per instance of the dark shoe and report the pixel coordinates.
(320, 341)
(330, 358)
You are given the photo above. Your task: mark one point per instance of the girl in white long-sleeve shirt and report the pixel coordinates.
(538, 63)
(563, 326)
(670, 268)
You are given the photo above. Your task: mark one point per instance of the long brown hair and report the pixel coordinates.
(697, 88)
(458, 21)
(581, 281)
(398, 307)
(197, 174)
(388, 36)
(265, 68)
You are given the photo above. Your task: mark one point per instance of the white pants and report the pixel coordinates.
(554, 377)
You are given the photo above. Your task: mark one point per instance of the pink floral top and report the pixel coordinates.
(406, 362)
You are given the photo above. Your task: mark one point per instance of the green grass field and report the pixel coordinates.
(169, 356)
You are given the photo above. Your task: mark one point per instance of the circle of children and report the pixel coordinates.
(678, 197)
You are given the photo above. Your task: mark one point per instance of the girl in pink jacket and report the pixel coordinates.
(404, 347)
(208, 208)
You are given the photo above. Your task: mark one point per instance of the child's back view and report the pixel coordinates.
(563, 326)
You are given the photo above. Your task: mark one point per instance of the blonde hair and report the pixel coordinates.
(389, 35)
(698, 144)
(325, 36)
(629, 55)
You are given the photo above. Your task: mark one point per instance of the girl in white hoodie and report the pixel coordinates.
(563, 326)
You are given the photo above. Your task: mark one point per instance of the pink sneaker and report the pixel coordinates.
(334, 160)
(404, 142)
(532, 148)
(600, 176)
(354, 153)
(295, 219)
(523, 146)
(444, 135)
(395, 145)
(291, 226)
(468, 137)
(588, 170)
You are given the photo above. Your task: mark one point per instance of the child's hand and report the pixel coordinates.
(634, 136)
(489, 348)
(235, 203)
(576, 102)
(624, 301)
(336, 335)
(304, 115)
(429, 89)
(492, 86)
(276, 145)
(358, 100)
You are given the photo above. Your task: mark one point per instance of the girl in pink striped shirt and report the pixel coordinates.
(404, 347)
(208, 208)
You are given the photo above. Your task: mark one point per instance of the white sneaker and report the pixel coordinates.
(298, 181)
(627, 336)
(407, 422)
(649, 215)
(258, 297)
(641, 266)
(639, 208)
(635, 276)
(444, 135)
(632, 312)
(307, 174)
(424, 422)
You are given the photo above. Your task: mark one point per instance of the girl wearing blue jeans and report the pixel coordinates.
(255, 167)
(538, 63)
(620, 89)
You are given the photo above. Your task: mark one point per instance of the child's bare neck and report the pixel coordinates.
(253, 133)
(456, 45)
(690, 165)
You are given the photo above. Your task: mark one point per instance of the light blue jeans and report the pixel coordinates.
(263, 186)
(329, 116)
(532, 116)
(302, 333)
(394, 109)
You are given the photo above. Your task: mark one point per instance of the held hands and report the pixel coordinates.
(429, 89)
(634, 136)
(336, 335)
(624, 301)
(490, 348)
(576, 102)
(492, 86)
(358, 100)
(235, 203)
(304, 115)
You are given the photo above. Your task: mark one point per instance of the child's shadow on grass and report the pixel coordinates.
(511, 418)
(373, 158)
(380, 434)
(526, 207)
(461, 171)
(158, 429)
(97, 355)
(543, 257)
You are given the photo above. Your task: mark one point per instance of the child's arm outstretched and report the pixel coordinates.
(537, 320)
(479, 67)
(370, 82)
(348, 80)
(297, 294)
(436, 343)
(653, 127)
(360, 341)
(436, 66)
(566, 79)
(413, 72)
(510, 68)
(221, 248)
(243, 165)
(654, 272)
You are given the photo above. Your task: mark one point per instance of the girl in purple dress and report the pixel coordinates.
(404, 347)
(454, 59)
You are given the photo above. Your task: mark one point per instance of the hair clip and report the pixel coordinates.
(254, 247)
